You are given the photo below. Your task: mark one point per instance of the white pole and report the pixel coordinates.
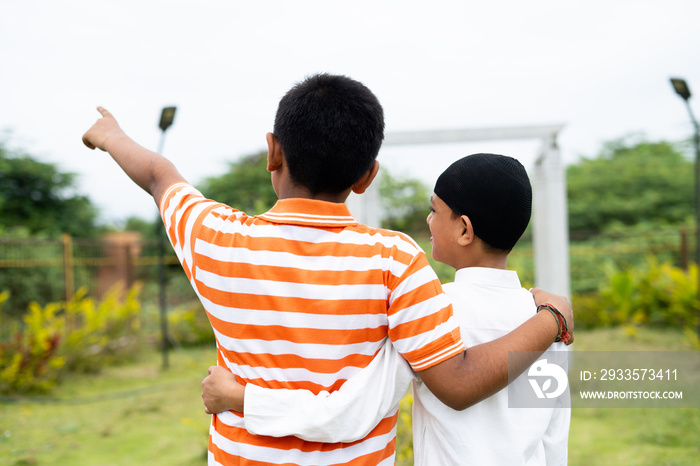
(550, 221)
(550, 211)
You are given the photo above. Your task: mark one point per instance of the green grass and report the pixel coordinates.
(132, 414)
(139, 414)
(633, 436)
(627, 436)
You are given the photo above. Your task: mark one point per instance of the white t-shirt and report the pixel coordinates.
(488, 303)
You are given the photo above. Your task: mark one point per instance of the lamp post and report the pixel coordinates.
(167, 117)
(682, 89)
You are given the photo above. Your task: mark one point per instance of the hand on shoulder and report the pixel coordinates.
(561, 304)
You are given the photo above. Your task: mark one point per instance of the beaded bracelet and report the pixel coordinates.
(563, 328)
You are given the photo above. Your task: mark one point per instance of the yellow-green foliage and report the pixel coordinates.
(98, 333)
(692, 338)
(659, 294)
(59, 337)
(29, 361)
(404, 434)
(189, 326)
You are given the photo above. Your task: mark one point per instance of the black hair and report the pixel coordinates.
(330, 128)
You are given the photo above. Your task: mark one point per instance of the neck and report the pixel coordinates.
(306, 194)
(484, 259)
(290, 190)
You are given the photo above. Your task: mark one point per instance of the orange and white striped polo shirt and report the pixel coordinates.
(303, 297)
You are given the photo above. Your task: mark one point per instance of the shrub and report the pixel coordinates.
(189, 326)
(80, 335)
(99, 334)
(657, 294)
(29, 359)
(404, 431)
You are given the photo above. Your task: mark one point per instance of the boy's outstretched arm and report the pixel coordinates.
(151, 171)
(483, 370)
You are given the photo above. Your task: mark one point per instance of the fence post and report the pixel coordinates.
(129, 265)
(68, 277)
(162, 282)
(684, 248)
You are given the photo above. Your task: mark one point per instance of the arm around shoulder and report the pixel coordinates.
(483, 370)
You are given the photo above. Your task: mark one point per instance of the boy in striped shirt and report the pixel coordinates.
(481, 207)
(303, 296)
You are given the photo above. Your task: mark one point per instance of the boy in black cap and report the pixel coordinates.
(480, 208)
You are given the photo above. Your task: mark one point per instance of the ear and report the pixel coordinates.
(275, 156)
(467, 236)
(363, 183)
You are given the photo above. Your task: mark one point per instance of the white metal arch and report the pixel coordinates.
(550, 214)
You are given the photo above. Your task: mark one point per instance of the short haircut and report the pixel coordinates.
(330, 128)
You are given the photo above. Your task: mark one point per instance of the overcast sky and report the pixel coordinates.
(601, 68)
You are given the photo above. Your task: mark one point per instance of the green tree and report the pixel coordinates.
(149, 230)
(631, 182)
(405, 202)
(246, 185)
(38, 198)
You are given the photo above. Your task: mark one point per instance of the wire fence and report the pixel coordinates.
(592, 257)
(97, 265)
(51, 270)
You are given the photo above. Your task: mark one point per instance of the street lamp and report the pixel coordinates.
(682, 89)
(167, 117)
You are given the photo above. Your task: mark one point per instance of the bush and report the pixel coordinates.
(189, 326)
(657, 294)
(99, 334)
(29, 360)
(624, 249)
(404, 431)
(80, 335)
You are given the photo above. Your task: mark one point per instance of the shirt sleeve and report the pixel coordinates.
(345, 415)
(181, 209)
(421, 324)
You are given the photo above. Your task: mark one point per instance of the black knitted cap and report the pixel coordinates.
(494, 192)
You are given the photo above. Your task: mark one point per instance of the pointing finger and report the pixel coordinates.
(104, 112)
